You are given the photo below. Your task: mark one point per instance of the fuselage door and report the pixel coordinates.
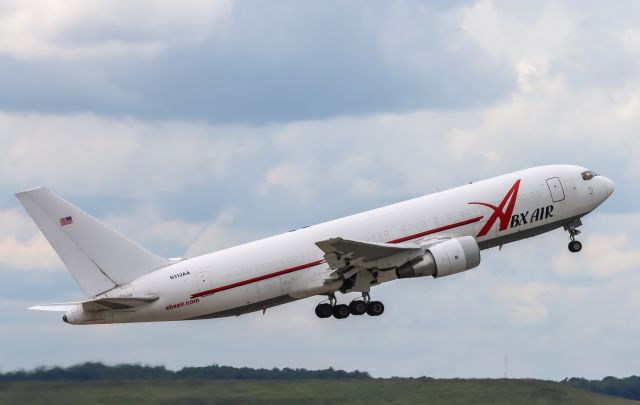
(555, 188)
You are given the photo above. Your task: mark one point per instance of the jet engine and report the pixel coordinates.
(443, 259)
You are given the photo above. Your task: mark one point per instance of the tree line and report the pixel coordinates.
(628, 387)
(98, 371)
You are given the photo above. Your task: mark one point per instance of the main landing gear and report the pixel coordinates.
(574, 246)
(356, 307)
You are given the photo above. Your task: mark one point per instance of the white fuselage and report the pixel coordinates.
(277, 269)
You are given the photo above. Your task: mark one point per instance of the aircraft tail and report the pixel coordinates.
(98, 257)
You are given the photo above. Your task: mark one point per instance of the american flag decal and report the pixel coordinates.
(66, 221)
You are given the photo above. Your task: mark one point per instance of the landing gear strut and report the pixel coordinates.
(574, 246)
(355, 307)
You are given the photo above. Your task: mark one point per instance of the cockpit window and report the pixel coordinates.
(588, 175)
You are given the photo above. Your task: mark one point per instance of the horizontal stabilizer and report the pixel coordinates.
(62, 307)
(98, 304)
(118, 303)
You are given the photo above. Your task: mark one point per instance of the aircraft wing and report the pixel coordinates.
(349, 258)
(98, 304)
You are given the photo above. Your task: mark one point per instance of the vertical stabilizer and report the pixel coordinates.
(98, 257)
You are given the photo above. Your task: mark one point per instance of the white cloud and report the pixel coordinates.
(34, 254)
(221, 234)
(177, 232)
(610, 250)
(363, 187)
(528, 38)
(534, 127)
(80, 29)
(527, 301)
(286, 175)
(88, 154)
(23, 247)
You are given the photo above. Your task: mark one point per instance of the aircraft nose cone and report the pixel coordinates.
(64, 318)
(610, 186)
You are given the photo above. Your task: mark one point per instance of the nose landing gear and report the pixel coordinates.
(574, 246)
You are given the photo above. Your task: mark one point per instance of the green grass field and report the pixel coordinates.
(399, 391)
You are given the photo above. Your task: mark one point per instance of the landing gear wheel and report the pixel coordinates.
(375, 308)
(340, 311)
(357, 307)
(575, 246)
(324, 310)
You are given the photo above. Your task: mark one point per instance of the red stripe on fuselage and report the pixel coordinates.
(253, 280)
(317, 262)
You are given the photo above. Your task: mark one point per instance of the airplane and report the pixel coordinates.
(436, 235)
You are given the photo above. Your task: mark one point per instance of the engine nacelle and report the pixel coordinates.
(443, 259)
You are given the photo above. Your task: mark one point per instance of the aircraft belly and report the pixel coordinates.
(233, 298)
(245, 309)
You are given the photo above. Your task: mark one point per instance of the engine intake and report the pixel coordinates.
(443, 259)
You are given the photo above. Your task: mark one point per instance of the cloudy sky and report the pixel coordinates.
(192, 126)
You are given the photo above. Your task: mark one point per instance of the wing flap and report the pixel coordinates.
(59, 307)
